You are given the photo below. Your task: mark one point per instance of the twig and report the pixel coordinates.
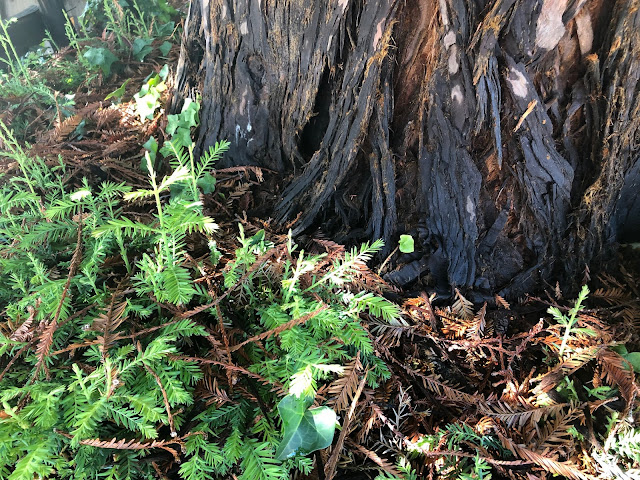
(332, 463)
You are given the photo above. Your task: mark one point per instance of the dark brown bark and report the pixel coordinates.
(504, 134)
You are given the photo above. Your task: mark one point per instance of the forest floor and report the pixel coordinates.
(526, 389)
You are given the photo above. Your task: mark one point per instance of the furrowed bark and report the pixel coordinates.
(502, 134)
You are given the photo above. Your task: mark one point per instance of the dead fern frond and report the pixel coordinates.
(502, 302)
(108, 322)
(46, 337)
(576, 361)
(375, 458)
(518, 417)
(554, 436)
(65, 128)
(210, 392)
(617, 372)
(24, 332)
(446, 392)
(612, 295)
(476, 329)
(462, 307)
(422, 308)
(343, 389)
(106, 116)
(125, 444)
(567, 469)
(453, 326)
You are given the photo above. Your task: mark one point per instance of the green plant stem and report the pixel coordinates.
(572, 318)
(6, 40)
(194, 180)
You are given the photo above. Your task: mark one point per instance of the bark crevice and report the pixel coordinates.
(500, 133)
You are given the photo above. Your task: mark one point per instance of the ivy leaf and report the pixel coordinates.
(150, 146)
(406, 244)
(118, 93)
(165, 29)
(141, 48)
(305, 430)
(165, 48)
(164, 72)
(621, 349)
(634, 359)
(101, 57)
(207, 183)
(173, 122)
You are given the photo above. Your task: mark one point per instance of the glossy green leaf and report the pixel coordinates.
(101, 57)
(207, 183)
(621, 349)
(406, 244)
(305, 430)
(141, 48)
(165, 48)
(118, 92)
(634, 359)
(164, 72)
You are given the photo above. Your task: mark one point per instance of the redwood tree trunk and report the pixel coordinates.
(503, 134)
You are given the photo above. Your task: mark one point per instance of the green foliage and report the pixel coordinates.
(305, 429)
(568, 322)
(135, 25)
(29, 77)
(11, 59)
(108, 371)
(632, 357)
(100, 12)
(406, 244)
(118, 93)
(148, 98)
(404, 467)
(179, 126)
(100, 57)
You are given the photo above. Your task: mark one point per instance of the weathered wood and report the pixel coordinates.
(503, 134)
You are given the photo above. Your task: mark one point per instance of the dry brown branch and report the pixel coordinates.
(344, 389)
(133, 444)
(462, 307)
(46, 337)
(330, 467)
(276, 386)
(278, 330)
(619, 373)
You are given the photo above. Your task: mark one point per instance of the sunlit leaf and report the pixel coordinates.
(305, 430)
